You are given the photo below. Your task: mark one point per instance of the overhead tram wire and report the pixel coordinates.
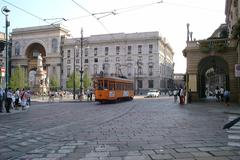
(93, 15)
(30, 14)
(136, 7)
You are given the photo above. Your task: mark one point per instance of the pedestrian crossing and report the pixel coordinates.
(234, 132)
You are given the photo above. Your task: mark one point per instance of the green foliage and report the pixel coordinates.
(54, 82)
(70, 81)
(236, 30)
(18, 78)
(86, 81)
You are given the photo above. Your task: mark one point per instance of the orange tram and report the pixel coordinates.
(113, 89)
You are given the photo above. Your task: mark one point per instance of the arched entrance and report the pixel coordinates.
(213, 71)
(32, 53)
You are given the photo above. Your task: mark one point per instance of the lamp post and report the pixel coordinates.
(81, 68)
(74, 75)
(5, 11)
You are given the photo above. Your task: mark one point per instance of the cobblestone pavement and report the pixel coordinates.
(142, 129)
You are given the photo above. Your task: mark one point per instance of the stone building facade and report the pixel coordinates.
(144, 57)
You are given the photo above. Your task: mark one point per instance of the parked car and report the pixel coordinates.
(153, 93)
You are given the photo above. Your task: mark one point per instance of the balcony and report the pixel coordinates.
(216, 45)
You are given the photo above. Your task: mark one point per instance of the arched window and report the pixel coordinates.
(54, 45)
(118, 69)
(17, 48)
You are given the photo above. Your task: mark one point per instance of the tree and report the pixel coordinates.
(86, 81)
(18, 78)
(69, 84)
(54, 82)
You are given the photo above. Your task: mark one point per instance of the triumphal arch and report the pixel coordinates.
(28, 44)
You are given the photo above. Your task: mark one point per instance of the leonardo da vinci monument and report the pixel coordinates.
(41, 82)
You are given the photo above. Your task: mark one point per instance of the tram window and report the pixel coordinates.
(105, 84)
(100, 87)
(122, 86)
(111, 86)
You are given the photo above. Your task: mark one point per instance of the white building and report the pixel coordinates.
(144, 57)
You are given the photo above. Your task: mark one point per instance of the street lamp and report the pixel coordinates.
(5, 11)
(81, 69)
(74, 75)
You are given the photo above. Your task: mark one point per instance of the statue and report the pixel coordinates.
(39, 60)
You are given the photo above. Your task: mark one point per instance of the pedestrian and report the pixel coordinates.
(217, 93)
(28, 98)
(8, 102)
(175, 94)
(189, 96)
(226, 95)
(88, 94)
(91, 93)
(24, 97)
(17, 101)
(182, 98)
(221, 93)
(1, 99)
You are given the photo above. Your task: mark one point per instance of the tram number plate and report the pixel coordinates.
(125, 93)
(111, 94)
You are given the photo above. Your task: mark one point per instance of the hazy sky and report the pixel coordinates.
(169, 18)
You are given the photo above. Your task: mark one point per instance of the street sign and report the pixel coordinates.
(3, 71)
(237, 70)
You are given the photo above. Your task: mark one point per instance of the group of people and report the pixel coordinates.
(14, 99)
(181, 94)
(222, 95)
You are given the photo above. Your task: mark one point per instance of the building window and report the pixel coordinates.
(106, 59)
(129, 69)
(77, 53)
(86, 61)
(129, 59)
(54, 45)
(150, 58)
(68, 61)
(95, 68)
(95, 60)
(129, 49)
(117, 50)
(106, 51)
(117, 59)
(95, 51)
(86, 52)
(77, 60)
(139, 48)
(150, 84)
(68, 53)
(68, 71)
(17, 48)
(139, 84)
(150, 48)
(150, 70)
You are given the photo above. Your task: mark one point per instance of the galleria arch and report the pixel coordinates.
(211, 68)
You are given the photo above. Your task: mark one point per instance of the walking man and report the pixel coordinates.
(1, 99)
(8, 102)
